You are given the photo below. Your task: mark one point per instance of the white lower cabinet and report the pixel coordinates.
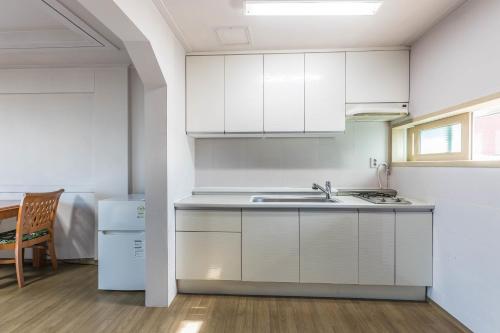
(270, 245)
(208, 244)
(376, 248)
(306, 246)
(208, 255)
(329, 247)
(414, 248)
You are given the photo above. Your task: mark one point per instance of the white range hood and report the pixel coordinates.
(376, 111)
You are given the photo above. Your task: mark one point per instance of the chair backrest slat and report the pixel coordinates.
(37, 212)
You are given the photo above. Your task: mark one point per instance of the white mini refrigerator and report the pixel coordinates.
(121, 243)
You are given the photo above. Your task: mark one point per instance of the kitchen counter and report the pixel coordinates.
(244, 201)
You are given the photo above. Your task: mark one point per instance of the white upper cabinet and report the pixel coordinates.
(377, 76)
(284, 93)
(244, 93)
(325, 92)
(205, 94)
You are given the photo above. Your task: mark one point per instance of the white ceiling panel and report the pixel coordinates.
(397, 23)
(55, 33)
(35, 24)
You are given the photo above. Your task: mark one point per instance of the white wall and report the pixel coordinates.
(296, 162)
(179, 152)
(65, 128)
(169, 163)
(136, 133)
(457, 61)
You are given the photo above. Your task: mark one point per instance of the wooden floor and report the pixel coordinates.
(70, 302)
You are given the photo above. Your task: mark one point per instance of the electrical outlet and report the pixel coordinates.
(373, 162)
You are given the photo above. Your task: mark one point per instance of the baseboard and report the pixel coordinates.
(301, 290)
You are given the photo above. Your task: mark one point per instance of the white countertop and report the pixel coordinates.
(244, 201)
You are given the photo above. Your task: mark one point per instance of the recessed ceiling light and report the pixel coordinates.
(312, 7)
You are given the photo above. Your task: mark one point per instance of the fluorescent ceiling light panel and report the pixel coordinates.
(311, 8)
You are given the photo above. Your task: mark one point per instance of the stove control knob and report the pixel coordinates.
(382, 200)
(398, 199)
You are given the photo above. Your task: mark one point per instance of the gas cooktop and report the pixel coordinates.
(382, 197)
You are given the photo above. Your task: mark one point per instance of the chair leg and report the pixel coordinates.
(52, 253)
(34, 257)
(19, 267)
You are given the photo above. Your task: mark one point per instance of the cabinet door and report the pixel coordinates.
(270, 245)
(284, 92)
(328, 247)
(325, 92)
(244, 95)
(377, 76)
(205, 94)
(208, 255)
(414, 248)
(376, 248)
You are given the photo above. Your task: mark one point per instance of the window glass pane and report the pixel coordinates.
(486, 136)
(441, 140)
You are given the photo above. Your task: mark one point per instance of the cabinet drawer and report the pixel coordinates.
(208, 255)
(208, 220)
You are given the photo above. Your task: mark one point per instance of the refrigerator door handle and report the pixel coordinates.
(121, 232)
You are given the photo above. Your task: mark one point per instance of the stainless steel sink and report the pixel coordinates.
(293, 199)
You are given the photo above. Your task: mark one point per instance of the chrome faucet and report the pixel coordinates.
(327, 189)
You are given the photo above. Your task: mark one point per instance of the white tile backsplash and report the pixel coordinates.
(293, 162)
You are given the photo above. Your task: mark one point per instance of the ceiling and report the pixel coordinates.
(397, 23)
(54, 32)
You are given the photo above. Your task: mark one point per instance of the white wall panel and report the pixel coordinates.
(60, 133)
(136, 133)
(46, 80)
(455, 62)
(294, 162)
(48, 138)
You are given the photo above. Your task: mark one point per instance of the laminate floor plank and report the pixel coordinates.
(68, 301)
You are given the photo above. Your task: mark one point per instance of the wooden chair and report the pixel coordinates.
(35, 227)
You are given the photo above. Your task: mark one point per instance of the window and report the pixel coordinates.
(486, 135)
(467, 135)
(441, 140)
